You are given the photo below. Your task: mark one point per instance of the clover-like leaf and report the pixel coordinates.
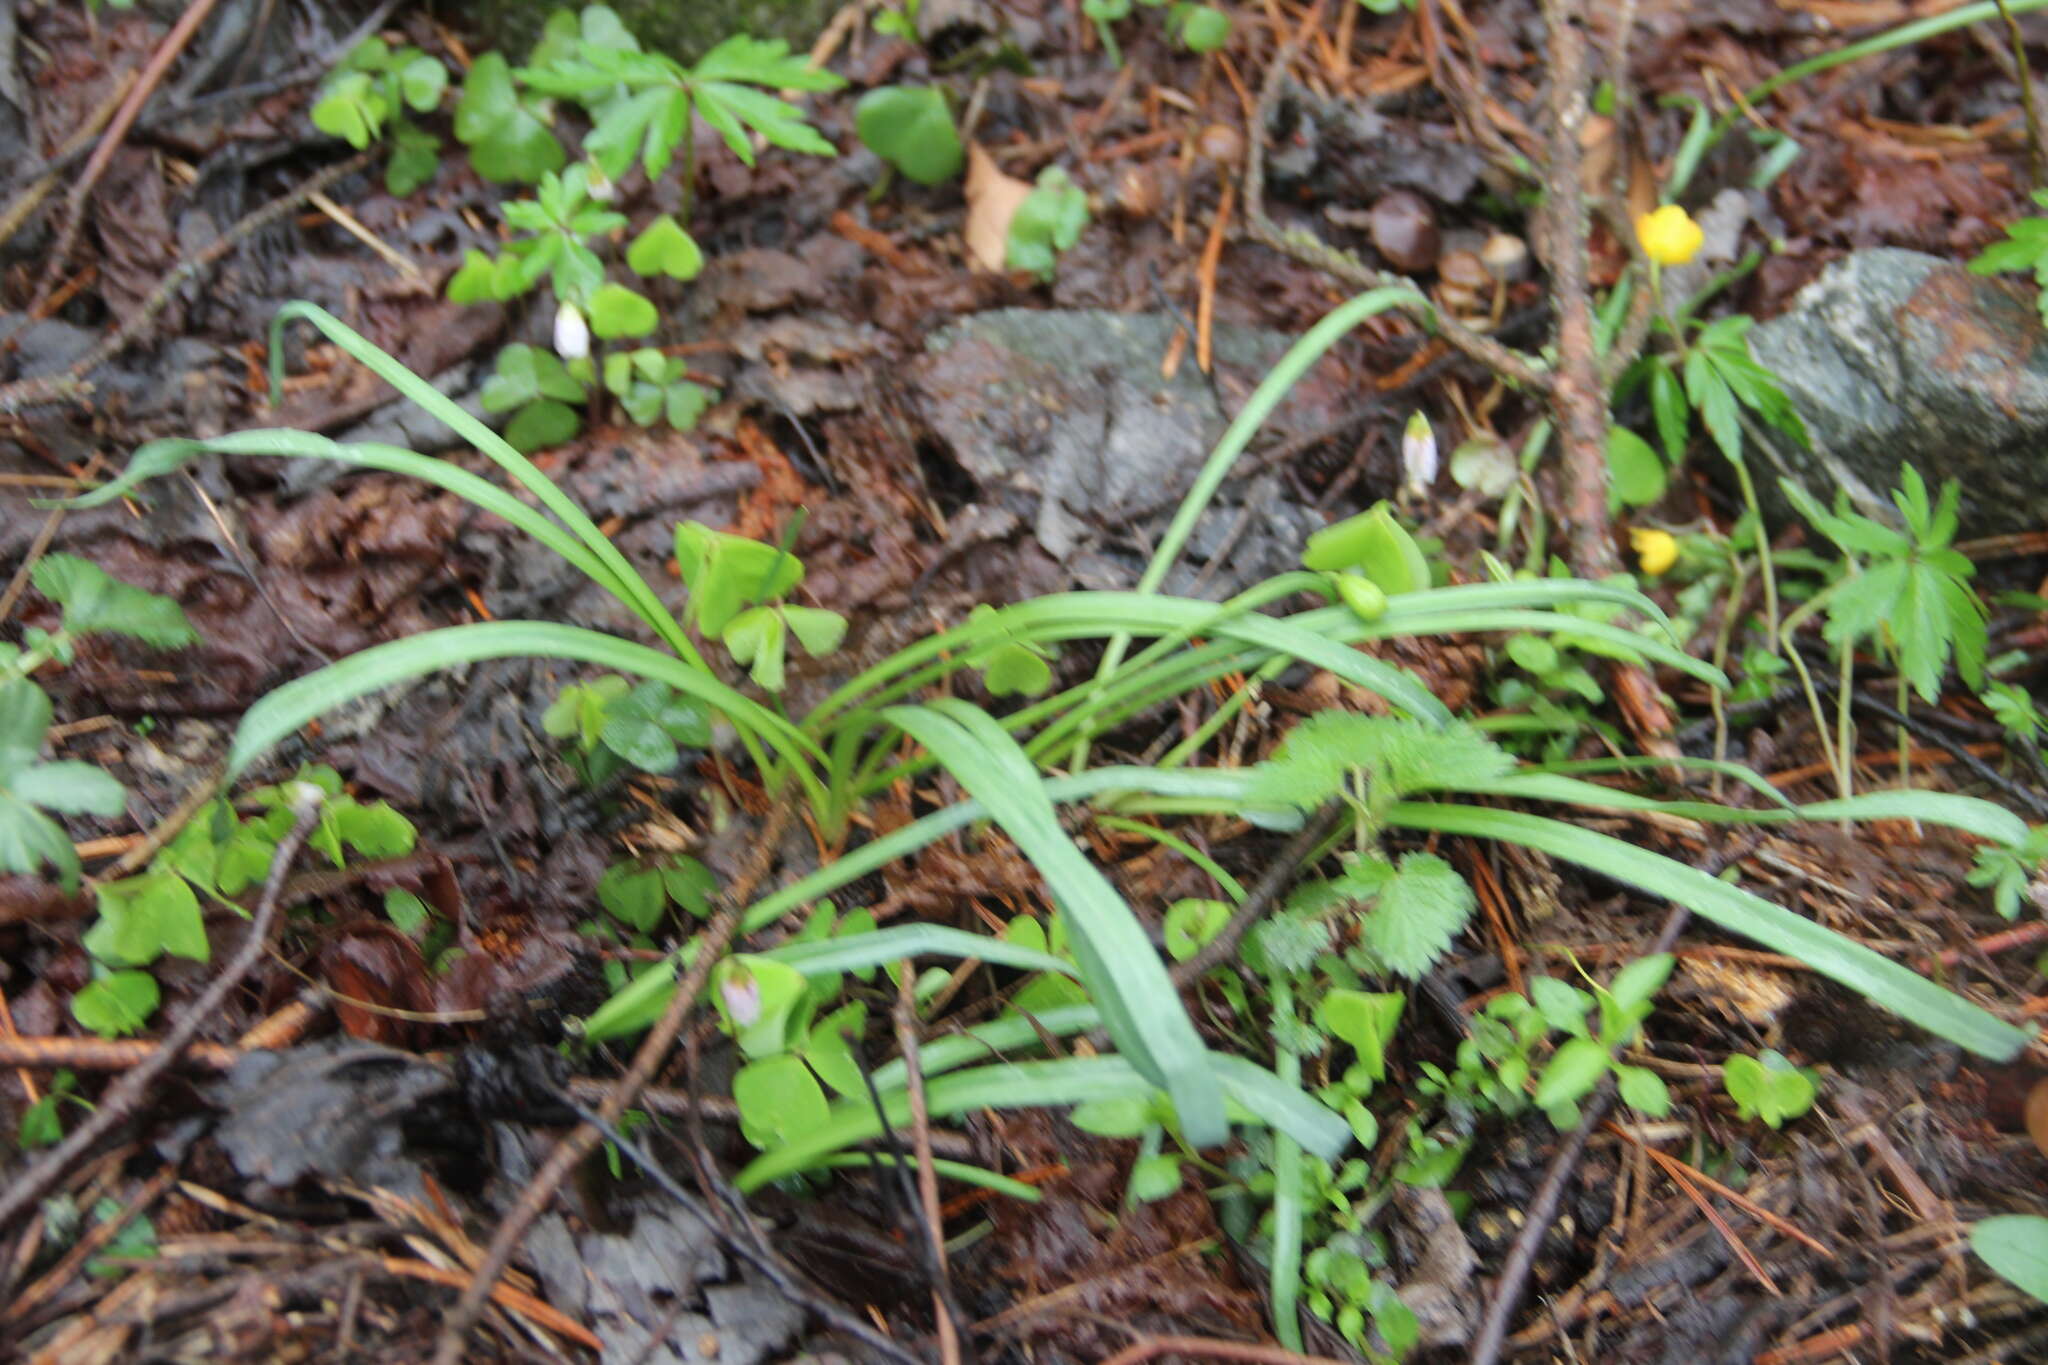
(911, 128)
(540, 425)
(663, 248)
(117, 1004)
(507, 140)
(616, 311)
(756, 638)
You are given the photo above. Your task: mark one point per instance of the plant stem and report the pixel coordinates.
(1845, 735)
(1813, 706)
(2019, 57)
(1285, 1282)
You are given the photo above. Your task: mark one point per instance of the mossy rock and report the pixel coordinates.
(683, 29)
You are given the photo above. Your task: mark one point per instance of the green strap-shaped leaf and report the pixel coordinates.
(494, 447)
(1967, 813)
(1125, 977)
(1256, 1092)
(292, 705)
(1879, 979)
(878, 947)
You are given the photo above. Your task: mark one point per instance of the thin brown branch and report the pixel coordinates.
(581, 1141)
(1312, 251)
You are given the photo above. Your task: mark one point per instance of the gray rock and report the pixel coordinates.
(1894, 357)
(1063, 414)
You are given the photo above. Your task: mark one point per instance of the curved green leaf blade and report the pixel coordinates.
(1880, 980)
(1126, 979)
(292, 705)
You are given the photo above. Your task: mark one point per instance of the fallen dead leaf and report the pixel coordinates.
(992, 201)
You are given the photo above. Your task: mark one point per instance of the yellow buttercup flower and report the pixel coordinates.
(1655, 550)
(1669, 235)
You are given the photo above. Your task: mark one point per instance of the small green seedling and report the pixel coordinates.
(2008, 871)
(1048, 222)
(1011, 666)
(116, 1004)
(374, 85)
(2025, 248)
(735, 589)
(1191, 924)
(42, 1123)
(1768, 1087)
(610, 724)
(639, 894)
(1584, 1059)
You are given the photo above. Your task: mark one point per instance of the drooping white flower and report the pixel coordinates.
(572, 333)
(1418, 456)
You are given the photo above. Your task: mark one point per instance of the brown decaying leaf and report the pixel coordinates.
(992, 201)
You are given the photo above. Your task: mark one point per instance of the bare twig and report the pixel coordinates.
(1271, 886)
(26, 393)
(153, 72)
(1310, 250)
(927, 1179)
(1577, 399)
(126, 1094)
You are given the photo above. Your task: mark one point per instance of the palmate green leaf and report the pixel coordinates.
(767, 62)
(637, 125)
(1714, 401)
(732, 109)
(1125, 977)
(507, 141)
(95, 602)
(1884, 982)
(1397, 756)
(1416, 915)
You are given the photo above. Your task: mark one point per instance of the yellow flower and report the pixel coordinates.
(1655, 550)
(1669, 235)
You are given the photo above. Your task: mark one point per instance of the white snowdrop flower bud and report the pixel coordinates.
(1418, 456)
(601, 186)
(572, 333)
